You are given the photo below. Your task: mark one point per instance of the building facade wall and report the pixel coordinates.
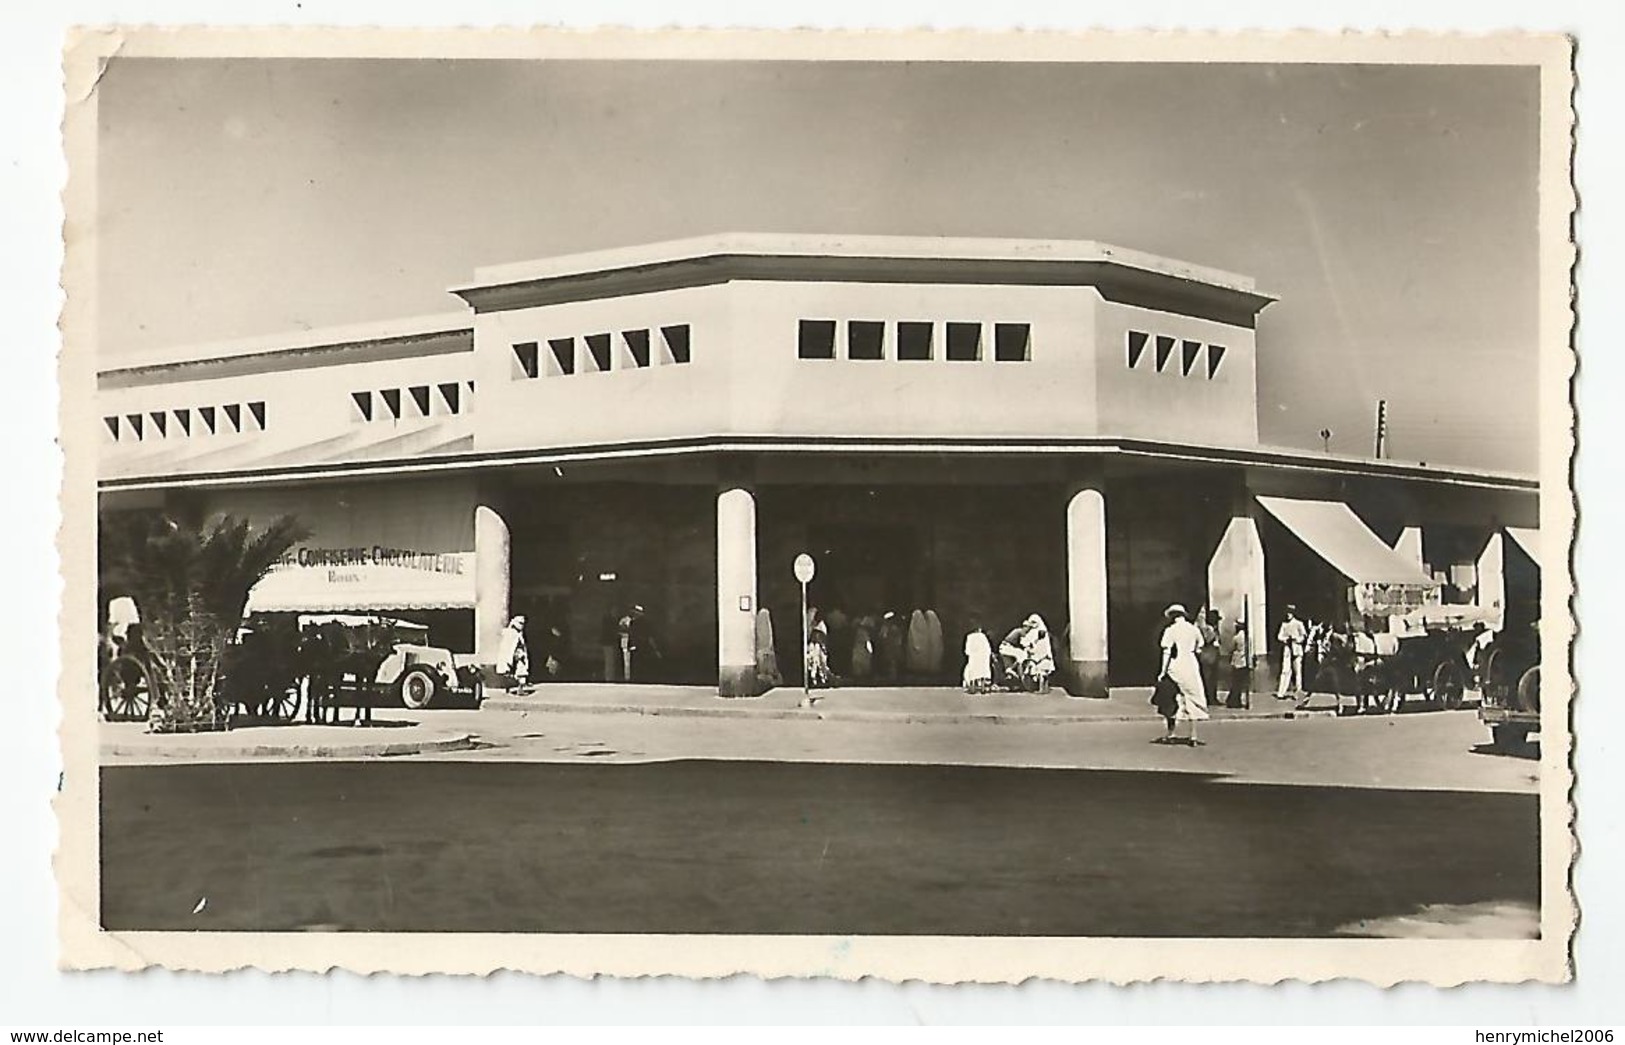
(628, 402)
(1051, 392)
(301, 413)
(1214, 403)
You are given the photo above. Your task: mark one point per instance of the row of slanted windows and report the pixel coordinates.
(1166, 350)
(599, 353)
(445, 399)
(914, 340)
(186, 422)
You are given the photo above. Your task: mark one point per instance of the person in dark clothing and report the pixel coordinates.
(1241, 669)
(637, 646)
(1207, 658)
(609, 642)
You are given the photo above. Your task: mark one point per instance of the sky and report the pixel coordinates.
(1392, 209)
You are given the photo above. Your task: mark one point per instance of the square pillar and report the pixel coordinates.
(1490, 592)
(1236, 588)
(1086, 590)
(736, 592)
(1409, 545)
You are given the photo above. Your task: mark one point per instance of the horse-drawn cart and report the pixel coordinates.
(358, 661)
(1427, 654)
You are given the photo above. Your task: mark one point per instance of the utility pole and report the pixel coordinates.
(1382, 428)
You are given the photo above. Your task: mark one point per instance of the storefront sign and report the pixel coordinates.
(1390, 600)
(370, 577)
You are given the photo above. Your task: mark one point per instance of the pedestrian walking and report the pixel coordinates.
(1207, 658)
(1180, 643)
(1293, 638)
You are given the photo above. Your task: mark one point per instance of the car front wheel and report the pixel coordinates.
(418, 688)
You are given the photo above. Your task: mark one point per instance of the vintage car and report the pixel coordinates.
(358, 661)
(1511, 686)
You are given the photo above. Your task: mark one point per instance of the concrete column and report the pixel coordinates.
(736, 592)
(1410, 544)
(492, 552)
(1235, 587)
(1086, 591)
(1491, 592)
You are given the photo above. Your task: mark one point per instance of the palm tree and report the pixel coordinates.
(190, 581)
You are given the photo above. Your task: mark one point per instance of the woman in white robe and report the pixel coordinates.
(978, 674)
(1181, 641)
(1040, 659)
(513, 658)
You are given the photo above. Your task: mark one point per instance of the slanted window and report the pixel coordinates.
(451, 395)
(257, 411)
(677, 344)
(112, 426)
(913, 340)
(598, 348)
(964, 342)
(524, 354)
(1189, 351)
(420, 397)
(1165, 348)
(561, 360)
(1012, 342)
(135, 425)
(1215, 355)
(1137, 340)
(206, 414)
(160, 422)
(816, 339)
(865, 339)
(362, 401)
(183, 419)
(637, 348)
(392, 402)
(234, 414)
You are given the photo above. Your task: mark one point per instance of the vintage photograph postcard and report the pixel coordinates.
(954, 507)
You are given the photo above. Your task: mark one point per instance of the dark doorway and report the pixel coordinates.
(867, 569)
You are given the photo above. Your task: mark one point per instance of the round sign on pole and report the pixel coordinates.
(804, 567)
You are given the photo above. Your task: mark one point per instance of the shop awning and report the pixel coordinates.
(1529, 540)
(1336, 534)
(368, 580)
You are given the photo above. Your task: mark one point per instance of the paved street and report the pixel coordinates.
(623, 823)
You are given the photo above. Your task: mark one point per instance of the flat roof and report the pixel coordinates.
(1285, 458)
(311, 339)
(826, 245)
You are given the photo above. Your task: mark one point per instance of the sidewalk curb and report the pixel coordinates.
(845, 715)
(373, 749)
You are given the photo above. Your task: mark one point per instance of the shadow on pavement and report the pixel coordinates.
(805, 848)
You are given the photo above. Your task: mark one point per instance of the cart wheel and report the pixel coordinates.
(127, 689)
(1528, 692)
(418, 687)
(1447, 686)
(1498, 685)
(479, 692)
(283, 705)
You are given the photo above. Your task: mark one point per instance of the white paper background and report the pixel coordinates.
(31, 170)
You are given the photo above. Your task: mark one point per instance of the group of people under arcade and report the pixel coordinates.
(894, 647)
(626, 643)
